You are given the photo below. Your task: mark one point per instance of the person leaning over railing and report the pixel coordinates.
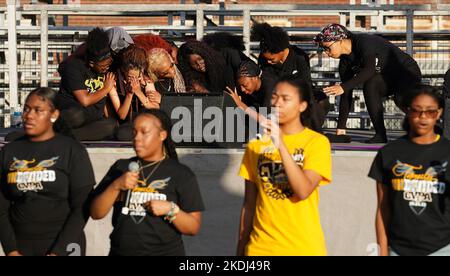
(85, 85)
(164, 72)
(283, 172)
(230, 46)
(256, 85)
(413, 182)
(379, 66)
(280, 58)
(204, 69)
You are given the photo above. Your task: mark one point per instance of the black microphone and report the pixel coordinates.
(132, 167)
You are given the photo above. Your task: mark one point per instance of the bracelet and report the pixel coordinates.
(172, 215)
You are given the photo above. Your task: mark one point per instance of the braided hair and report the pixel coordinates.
(166, 125)
(249, 69)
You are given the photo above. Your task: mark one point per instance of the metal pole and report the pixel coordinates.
(246, 31)
(44, 48)
(183, 15)
(65, 17)
(410, 32)
(222, 17)
(12, 55)
(200, 23)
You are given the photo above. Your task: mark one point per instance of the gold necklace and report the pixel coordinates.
(157, 163)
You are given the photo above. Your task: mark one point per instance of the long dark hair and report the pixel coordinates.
(166, 125)
(419, 91)
(221, 40)
(305, 94)
(213, 79)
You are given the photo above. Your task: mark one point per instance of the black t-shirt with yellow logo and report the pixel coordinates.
(43, 190)
(75, 75)
(140, 233)
(418, 177)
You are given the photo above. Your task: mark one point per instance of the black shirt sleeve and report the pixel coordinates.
(303, 68)
(82, 181)
(269, 87)
(345, 69)
(72, 78)
(113, 173)
(190, 198)
(7, 235)
(368, 56)
(377, 171)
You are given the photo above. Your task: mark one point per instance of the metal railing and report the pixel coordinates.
(347, 15)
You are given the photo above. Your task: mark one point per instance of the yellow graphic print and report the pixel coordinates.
(145, 193)
(30, 178)
(418, 188)
(93, 85)
(272, 174)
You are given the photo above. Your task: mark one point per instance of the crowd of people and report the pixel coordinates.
(113, 86)
(112, 77)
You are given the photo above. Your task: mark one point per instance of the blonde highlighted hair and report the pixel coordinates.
(155, 58)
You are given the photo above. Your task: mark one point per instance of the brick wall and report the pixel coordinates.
(305, 21)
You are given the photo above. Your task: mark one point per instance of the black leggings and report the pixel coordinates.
(125, 132)
(319, 109)
(374, 91)
(84, 128)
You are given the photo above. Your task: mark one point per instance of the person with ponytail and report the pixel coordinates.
(283, 172)
(412, 175)
(155, 199)
(45, 182)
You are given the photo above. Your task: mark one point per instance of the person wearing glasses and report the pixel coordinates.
(84, 88)
(373, 63)
(413, 178)
(164, 72)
